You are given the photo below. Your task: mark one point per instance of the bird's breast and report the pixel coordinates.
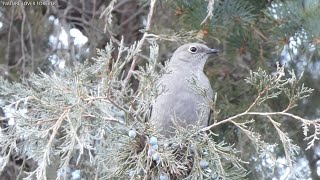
(178, 99)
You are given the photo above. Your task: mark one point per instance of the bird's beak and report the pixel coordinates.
(212, 51)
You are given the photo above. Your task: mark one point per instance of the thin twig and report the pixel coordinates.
(283, 141)
(306, 121)
(140, 43)
(22, 39)
(209, 11)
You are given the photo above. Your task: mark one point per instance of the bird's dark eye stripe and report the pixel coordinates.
(193, 49)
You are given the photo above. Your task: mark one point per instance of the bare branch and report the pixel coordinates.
(140, 43)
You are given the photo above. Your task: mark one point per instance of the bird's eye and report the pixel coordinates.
(193, 49)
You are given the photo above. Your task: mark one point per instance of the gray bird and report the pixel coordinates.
(177, 99)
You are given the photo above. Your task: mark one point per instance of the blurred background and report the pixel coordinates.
(249, 33)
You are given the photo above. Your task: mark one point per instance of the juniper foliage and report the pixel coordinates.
(82, 116)
(90, 119)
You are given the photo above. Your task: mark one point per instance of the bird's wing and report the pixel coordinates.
(209, 117)
(211, 95)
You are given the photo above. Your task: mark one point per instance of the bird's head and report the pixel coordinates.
(194, 54)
